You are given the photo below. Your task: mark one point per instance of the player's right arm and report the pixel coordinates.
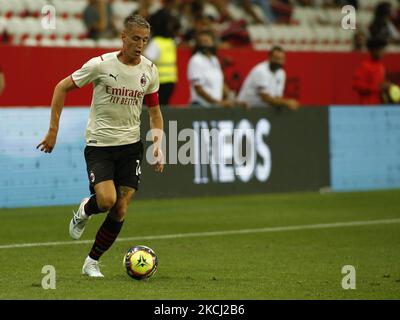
(57, 104)
(81, 77)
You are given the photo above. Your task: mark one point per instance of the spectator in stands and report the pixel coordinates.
(207, 86)
(144, 8)
(2, 81)
(382, 26)
(265, 83)
(369, 79)
(265, 5)
(99, 20)
(162, 48)
(247, 6)
(193, 20)
(283, 10)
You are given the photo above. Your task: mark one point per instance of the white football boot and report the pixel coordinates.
(78, 221)
(91, 268)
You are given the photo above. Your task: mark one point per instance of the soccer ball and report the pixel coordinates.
(140, 262)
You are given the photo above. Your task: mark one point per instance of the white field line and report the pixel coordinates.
(213, 233)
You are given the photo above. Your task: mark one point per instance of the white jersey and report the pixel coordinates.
(262, 80)
(118, 92)
(206, 72)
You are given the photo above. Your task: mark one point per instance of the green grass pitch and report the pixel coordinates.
(274, 263)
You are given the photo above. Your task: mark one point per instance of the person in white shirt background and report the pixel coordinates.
(207, 86)
(265, 83)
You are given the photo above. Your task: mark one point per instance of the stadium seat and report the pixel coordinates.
(62, 30)
(62, 7)
(364, 18)
(31, 42)
(12, 7)
(74, 42)
(123, 9)
(32, 26)
(263, 33)
(324, 38)
(34, 7)
(334, 16)
(260, 13)
(116, 43)
(345, 36)
(253, 34)
(109, 43)
(75, 8)
(47, 42)
(305, 35)
(15, 27)
(211, 11)
(3, 22)
(88, 43)
(283, 35)
(60, 42)
(235, 12)
(53, 42)
(303, 16)
(319, 16)
(76, 27)
(78, 43)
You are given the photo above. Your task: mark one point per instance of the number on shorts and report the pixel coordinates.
(138, 169)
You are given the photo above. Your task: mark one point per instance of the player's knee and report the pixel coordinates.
(106, 203)
(119, 213)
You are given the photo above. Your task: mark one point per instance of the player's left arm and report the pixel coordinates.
(157, 130)
(156, 119)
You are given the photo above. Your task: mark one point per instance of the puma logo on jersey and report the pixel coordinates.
(112, 76)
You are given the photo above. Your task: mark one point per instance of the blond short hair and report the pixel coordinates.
(135, 20)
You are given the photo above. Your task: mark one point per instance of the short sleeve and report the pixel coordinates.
(155, 81)
(195, 72)
(260, 81)
(281, 84)
(87, 74)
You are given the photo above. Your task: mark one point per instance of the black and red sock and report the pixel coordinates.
(91, 206)
(105, 237)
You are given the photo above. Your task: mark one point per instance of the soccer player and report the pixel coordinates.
(114, 151)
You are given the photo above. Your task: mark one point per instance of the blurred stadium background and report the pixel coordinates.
(321, 61)
(331, 144)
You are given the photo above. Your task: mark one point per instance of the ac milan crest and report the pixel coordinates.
(143, 80)
(92, 177)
